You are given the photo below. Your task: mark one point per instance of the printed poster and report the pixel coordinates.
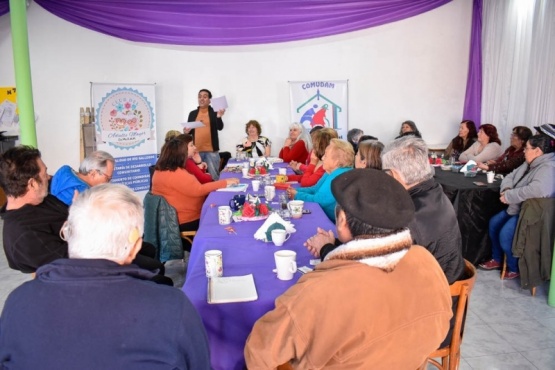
(125, 127)
(9, 115)
(320, 103)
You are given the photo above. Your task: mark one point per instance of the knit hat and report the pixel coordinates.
(373, 197)
(547, 129)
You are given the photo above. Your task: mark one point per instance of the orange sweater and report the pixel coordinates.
(184, 192)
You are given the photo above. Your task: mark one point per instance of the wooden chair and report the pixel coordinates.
(188, 235)
(451, 354)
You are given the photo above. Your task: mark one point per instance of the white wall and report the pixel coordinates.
(412, 69)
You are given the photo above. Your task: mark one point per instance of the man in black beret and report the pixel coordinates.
(361, 307)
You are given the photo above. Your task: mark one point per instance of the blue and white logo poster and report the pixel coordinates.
(320, 103)
(126, 128)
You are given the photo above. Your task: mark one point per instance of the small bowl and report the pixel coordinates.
(455, 168)
(470, 174)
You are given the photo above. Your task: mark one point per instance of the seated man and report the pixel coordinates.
(435, 225)
(96, 169)
(33, 218)
(95, 310)
(383, 302)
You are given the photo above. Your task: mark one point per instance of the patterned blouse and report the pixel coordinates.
(257, 148)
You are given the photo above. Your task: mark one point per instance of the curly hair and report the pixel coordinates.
(256, 125)
(17, 166)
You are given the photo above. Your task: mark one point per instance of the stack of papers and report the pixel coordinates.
(236, 188)
(231, 289)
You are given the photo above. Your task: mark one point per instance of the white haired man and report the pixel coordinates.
(97, 168)
(95, 310)
(363, 306)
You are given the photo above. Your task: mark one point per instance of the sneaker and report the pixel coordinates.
(510, 275)
(490, 265)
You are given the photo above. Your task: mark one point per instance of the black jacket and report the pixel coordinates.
(435, 227)
(216, 124)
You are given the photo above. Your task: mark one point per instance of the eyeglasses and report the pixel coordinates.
(387, 170)
(108, 178)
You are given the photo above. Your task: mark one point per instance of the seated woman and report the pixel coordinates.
(488, 146)
(255, 145)
(314, 171)
(194, 163)
(466, 137)
(408, 128)
(181, 189)
(338, 158)
(297, 145)
(369, 154)
(513, 156)
(533, 179)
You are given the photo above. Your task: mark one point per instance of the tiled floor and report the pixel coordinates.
(506, 328)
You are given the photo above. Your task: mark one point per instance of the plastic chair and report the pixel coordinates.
(451, 354)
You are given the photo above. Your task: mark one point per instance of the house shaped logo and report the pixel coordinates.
(319, 111)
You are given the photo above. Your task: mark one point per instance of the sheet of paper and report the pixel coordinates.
(236, 188)
(195, 124)
(218, 103)
(231, 289)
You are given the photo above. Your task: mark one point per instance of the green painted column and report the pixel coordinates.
(551, 297)
(22, 64)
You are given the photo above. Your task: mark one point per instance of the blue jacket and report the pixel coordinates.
(321, 192)
(95, 314)
(64, 183)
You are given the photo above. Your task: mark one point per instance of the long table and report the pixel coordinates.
(228, 325)
(474, 206)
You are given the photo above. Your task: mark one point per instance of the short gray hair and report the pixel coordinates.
(96, 161)
(104, 221)
(409, 157)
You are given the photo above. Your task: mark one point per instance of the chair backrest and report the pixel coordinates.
(462, 289)
(162, 227)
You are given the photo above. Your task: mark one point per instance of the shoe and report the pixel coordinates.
(490, 265)
(510, 275)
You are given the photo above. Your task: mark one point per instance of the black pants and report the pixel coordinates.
(188, 226)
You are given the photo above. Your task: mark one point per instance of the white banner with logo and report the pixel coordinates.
(125, 127)
(320, 103)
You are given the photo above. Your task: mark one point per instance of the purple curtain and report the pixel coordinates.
(4, 7)
(232, 22)
(473, 97)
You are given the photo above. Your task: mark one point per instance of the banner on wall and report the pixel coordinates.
(320, 103)
(9, 118)
(125, 127)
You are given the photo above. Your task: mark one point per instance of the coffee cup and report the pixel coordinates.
(490, 176)
(296, 208)
(213, 263)
(237, 201)
(269, 192)
(279, 236)
(255, 185)
(245, 171)
(224, 215)
(286, 264)
(283, 171)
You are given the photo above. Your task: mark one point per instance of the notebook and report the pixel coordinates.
(231, 289)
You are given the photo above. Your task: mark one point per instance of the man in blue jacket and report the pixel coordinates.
(96, 310)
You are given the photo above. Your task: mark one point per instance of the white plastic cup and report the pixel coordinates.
(245, 171)
(283, 171)
(279, 236)
(296, 208)
(286, 264)
(255, 185)
(213, 263)
(224, 215)
(490, 176)
(269, 192)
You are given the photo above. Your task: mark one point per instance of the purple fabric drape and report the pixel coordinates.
(4, 7)
(232, 22)
(473, 97)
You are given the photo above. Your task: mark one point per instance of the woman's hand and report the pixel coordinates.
(232, 181)
(482, 166)
(291, 193)
(220, 113)
(503, 199)
(203, 165)
(288, 142)
(186, 130)
(294, 165)
(313, 158)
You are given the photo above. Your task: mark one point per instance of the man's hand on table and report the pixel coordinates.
(315, 243)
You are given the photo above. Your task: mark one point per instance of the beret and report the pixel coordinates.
(547, 129)
(374, 198)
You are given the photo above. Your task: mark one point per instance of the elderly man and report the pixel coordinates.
(95, 310)
(206, 138)
(96, 169)
(33, 218)
(384, 303)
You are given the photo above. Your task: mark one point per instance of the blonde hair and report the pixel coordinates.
(171, 134)
(343, 151)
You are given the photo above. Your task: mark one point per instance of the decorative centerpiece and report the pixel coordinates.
(261, 168)
(252, 210)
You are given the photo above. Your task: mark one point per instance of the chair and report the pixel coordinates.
(224, 158)
(162, 228)
(188, 235)
(451, 354)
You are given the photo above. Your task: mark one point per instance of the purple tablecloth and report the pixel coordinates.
(228, 325)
